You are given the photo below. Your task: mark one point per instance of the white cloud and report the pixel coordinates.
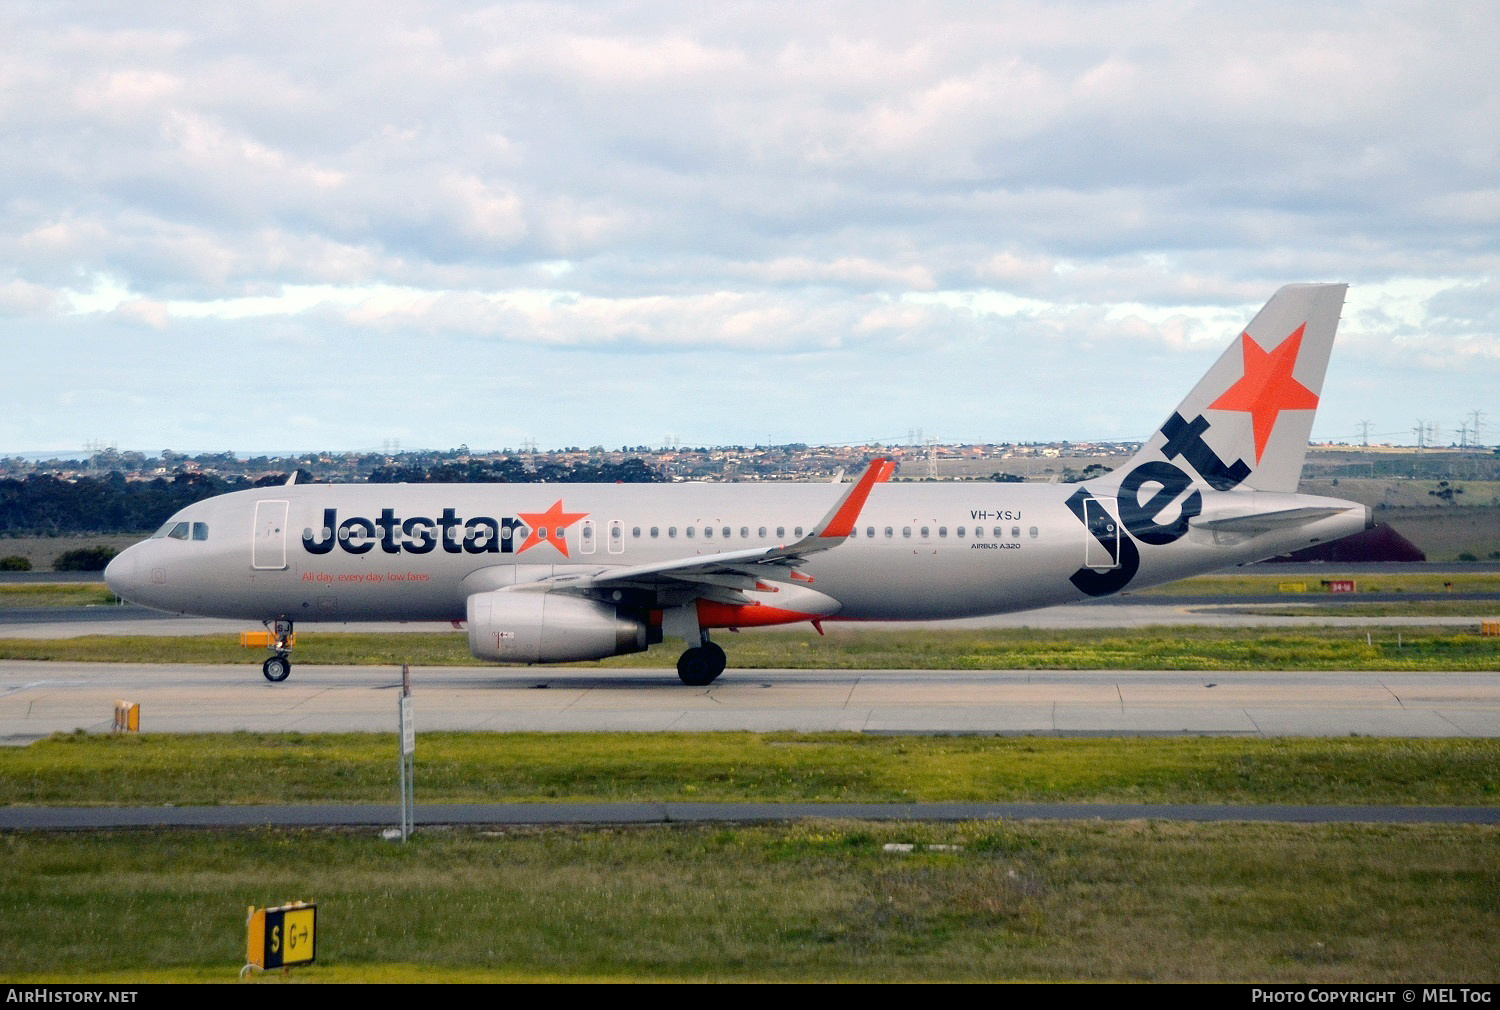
(818, 183)
(142, 311)
(19, 298)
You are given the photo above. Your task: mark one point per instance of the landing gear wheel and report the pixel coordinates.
(277, 669)
(698, 667)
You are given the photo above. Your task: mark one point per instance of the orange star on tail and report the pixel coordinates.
(1267, 387)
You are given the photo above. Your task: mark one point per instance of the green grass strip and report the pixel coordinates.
(1158, 648)
(56, 594)
(1141, 901)
(1414, 608)
(1252, 585)
(241, 768)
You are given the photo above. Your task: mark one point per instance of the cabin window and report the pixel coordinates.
(726, 531)
(708, 532)
(780, 532)
(635, 533)
(1015, 531)
(797, 532)
(926, 532)
(744, 533)
(906, 531)
(654, 531)
(762, 532)
(588, 533)
(672, 531)
(960, 531)
(688, 531)
(890, 531)
(1033, 532)
(870, 532)
(614, 532)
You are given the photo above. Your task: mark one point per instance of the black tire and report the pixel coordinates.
(277, 669)
(694, 669)
(700, 666)
(716, 659)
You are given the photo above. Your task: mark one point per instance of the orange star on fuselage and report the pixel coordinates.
(548, 526)
(1267, 387)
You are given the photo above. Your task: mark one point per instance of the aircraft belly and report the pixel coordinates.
(888, 583)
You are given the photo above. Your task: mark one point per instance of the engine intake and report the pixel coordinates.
(528, 627)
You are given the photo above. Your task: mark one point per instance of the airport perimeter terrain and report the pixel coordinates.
(1148, 898)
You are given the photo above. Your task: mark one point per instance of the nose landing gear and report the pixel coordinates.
(276, 669)
(279, 667)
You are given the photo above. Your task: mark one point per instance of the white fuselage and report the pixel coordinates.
(418, 551)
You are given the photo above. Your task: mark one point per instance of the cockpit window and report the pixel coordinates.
(182, 531)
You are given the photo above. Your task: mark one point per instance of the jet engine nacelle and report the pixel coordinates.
(529, 627)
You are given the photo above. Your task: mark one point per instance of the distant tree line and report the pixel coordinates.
(513, 471)
(44, 505)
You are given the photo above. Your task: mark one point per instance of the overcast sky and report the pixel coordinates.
(275, 226)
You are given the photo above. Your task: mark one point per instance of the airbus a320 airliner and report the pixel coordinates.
(557, 573)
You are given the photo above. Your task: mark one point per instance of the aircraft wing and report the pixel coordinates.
(725, 577)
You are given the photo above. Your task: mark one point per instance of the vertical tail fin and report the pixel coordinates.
(1247, 421)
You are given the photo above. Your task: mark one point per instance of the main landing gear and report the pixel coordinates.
(700, 665)
(279, 667)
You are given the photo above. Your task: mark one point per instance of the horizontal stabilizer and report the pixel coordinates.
(1264, 522)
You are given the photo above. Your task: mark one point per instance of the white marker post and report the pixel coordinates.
(408, 731)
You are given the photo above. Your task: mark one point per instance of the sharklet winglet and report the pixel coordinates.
(839, 522)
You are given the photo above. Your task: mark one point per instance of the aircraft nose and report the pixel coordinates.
(120, 575)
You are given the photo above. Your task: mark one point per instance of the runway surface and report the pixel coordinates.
(37, 699)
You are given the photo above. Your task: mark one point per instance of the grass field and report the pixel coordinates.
(847, 648)
(1255, 585)
(1414, 608)
(79, 769)
(56, 594)
(1135, 901)
(1132, 901)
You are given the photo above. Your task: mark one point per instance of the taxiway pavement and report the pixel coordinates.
(41, 698)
